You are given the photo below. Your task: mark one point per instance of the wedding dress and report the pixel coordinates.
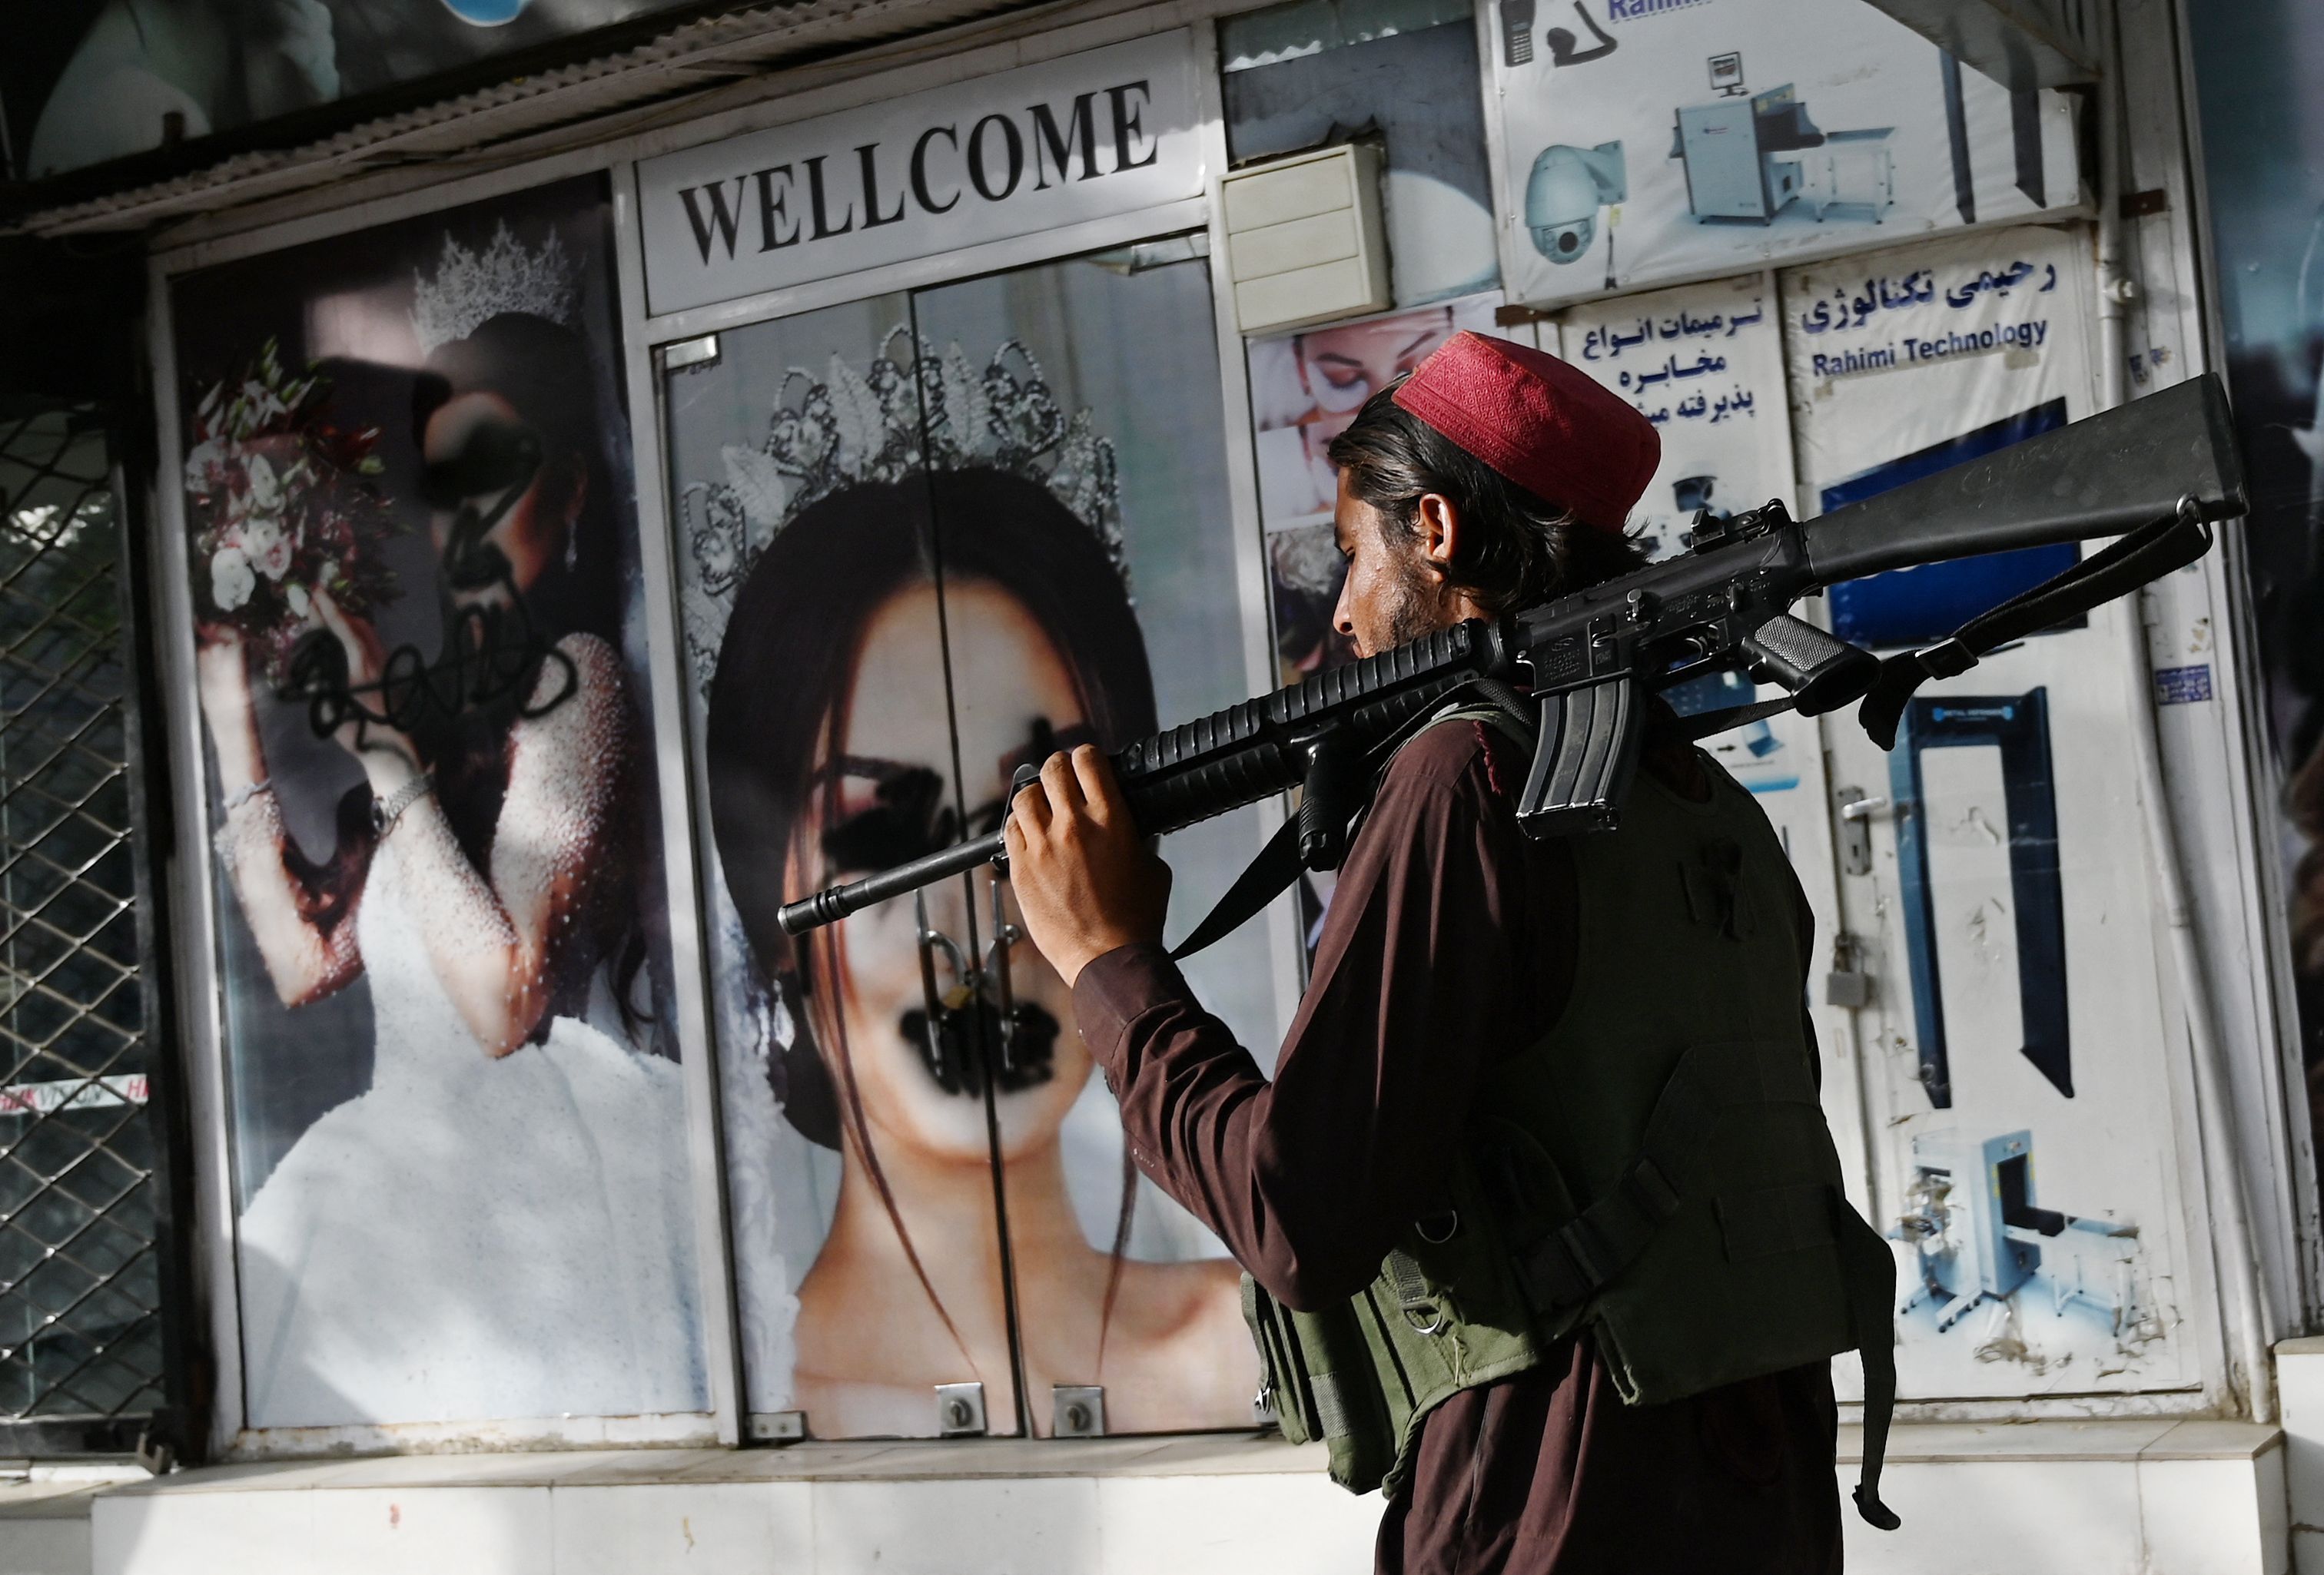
(473, 1238)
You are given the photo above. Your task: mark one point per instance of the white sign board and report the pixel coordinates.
(2014, 1031)
(1650, 142)
(1085, 137)
(1704, 362)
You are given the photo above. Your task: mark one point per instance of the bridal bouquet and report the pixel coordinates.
(281, 504)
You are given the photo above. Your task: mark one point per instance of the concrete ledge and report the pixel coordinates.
(2033, 1499)
(2158, 1438)
(45, 1520)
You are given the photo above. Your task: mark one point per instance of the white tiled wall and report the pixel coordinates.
(2158, 1497)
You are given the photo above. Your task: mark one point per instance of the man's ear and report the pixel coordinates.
(1437, 523)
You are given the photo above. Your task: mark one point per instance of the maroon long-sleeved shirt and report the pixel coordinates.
(1450, 943)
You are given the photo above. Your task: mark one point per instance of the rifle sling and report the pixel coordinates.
(1262, 880)
(2155, 548)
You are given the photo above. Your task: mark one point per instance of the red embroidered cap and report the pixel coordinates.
(1540, 422)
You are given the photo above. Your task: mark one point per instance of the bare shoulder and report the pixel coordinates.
(577, 695)
(571, 747)
(595, 667)
(1180, 1357)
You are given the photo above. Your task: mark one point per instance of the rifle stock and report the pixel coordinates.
(2100, 476)
(1591, 660)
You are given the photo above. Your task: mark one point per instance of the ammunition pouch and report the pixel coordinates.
(1689, 1273)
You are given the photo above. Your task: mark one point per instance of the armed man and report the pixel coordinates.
(1543, 1223)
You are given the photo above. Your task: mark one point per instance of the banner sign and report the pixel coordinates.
(82, 85)
(1703, 363)
(1996, 925)
(1910, 362)
(1085, 137)
(1648, 142)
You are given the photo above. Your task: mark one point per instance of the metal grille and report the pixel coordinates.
(79, 1282)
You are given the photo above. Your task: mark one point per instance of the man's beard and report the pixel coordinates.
(1413, 606)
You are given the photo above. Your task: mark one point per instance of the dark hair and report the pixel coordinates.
(1514, 548)
(796, 635)
(792, 647)
(544, 370)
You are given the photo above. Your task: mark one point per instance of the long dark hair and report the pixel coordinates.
(544, 370)
(780, 697)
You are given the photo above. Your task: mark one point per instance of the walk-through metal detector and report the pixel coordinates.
(2019, 726)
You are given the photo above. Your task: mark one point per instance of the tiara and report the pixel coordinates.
(471, 288)
(851, 428)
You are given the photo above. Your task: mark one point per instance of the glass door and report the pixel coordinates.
(923, 538)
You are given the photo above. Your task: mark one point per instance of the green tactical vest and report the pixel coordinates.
(1655, 1169)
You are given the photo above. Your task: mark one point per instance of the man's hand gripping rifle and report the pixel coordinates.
(1580, 671)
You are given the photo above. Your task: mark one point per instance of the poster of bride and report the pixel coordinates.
(457, 1126)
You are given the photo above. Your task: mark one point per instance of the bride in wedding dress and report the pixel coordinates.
(499, 1227)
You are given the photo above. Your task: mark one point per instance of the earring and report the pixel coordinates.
(572, 548)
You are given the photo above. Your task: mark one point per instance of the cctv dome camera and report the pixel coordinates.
(1568, 186)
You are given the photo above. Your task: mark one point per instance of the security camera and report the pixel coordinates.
(1568, 186)
(1693, 490)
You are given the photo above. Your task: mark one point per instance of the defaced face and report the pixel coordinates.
(488, 484)
(892, 771)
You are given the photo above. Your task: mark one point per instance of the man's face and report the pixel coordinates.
(1392, 594)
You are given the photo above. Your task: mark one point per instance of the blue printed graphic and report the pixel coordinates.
(1917, 606)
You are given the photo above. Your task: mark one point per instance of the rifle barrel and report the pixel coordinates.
(836, 902)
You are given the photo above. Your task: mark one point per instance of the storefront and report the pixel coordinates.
(824, 447)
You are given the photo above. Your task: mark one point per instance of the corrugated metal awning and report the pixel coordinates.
(689, 60)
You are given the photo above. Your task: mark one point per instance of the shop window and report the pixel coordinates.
(456, 1114)
(1321, 71)
(923, 539)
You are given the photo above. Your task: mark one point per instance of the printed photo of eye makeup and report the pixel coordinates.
(1304, 389)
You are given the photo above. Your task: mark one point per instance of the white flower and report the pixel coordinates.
(198, 463)
(262, 401)
(231, 581)
(266, 545)
(265, 491)
(296, 594)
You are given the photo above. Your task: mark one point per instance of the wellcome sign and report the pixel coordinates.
(1085, 137)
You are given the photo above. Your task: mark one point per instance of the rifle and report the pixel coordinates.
(1578, 670)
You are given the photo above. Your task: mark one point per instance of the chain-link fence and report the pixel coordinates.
(81, 1347)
